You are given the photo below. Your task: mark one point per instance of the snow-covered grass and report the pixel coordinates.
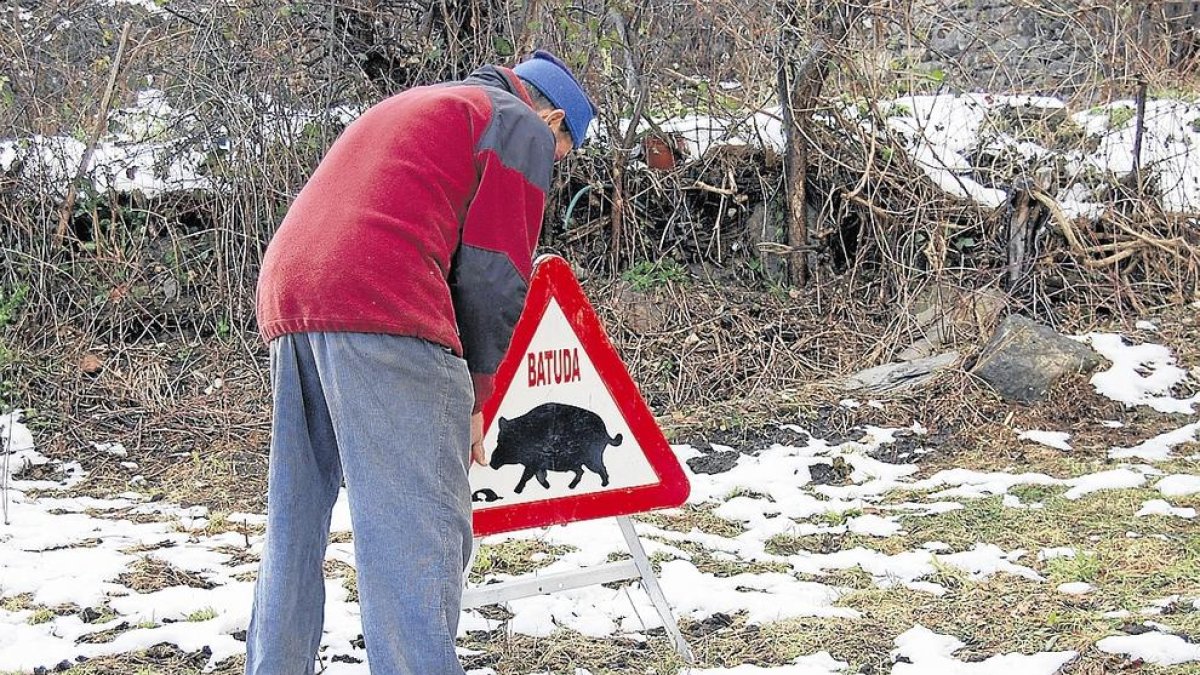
(939, 566)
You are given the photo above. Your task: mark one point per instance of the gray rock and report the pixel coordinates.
(892, 377)
(1024, 359)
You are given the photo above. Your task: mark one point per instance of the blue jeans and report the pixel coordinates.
(390, 415)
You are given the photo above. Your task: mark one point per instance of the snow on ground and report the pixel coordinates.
(1075, 588)
(56, 549)
(1152, 647)
(1179, 485)
(1161, 507)
(1053, 439)
(1159, 448)
(1142, 374)
(927, 653)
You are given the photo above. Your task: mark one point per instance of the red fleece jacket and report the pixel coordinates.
(420, 221)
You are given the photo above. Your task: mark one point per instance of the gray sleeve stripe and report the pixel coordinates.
(489, 295)
(520, 138)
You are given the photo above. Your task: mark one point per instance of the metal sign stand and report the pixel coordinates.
(637, 568)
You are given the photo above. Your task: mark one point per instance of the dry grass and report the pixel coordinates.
(16, 603)
(163, 659)
(148, 574)
(514, 557)
(565, 651)
(335, 569)
(694, 517)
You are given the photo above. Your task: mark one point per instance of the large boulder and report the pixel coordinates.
(1024, 359)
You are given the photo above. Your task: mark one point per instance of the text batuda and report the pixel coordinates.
(553, 366)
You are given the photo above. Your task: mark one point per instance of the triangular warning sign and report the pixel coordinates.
(568, 435)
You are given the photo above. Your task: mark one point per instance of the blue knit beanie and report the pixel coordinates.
(555, 80)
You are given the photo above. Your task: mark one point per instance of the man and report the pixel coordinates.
(388, 297)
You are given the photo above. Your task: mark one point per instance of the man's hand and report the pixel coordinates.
(477, 439)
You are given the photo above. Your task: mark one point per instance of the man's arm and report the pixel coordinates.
(495, 258)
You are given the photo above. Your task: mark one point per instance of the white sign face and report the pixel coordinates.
(557, 431)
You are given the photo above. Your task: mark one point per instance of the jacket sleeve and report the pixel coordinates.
(492, 266)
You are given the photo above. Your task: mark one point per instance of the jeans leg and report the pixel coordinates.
(401, 407)
(303, 481)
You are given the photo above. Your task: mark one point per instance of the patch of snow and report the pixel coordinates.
(8, 154)
(981, 562)
(149, 5)
(700, 133)
(1160, 507)
(1075, 588)
(976, 484)
(874, 526)
(1056, 552)
(986, 560)
(929, 587)
(15, 437)
(1179, 485)
(1105, 480)
(927, 653)
(74, 550)
(1053, 439)
(17, 454)
(765, 597)
(340, 520)
(1168, 145)
(1146, 325)
(1153, 647)
(1161, 447)
(940, 131)
(1140, 374)
(111, 448)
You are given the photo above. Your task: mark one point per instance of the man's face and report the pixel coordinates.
(563, 144)
(556, 120)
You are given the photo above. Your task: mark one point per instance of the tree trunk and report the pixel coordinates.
(639, 87)
(799, 85)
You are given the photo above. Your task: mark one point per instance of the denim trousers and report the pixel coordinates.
(391, 416)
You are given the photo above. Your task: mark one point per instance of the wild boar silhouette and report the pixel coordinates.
(554, 437)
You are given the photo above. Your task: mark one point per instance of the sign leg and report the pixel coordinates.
(650, 583)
